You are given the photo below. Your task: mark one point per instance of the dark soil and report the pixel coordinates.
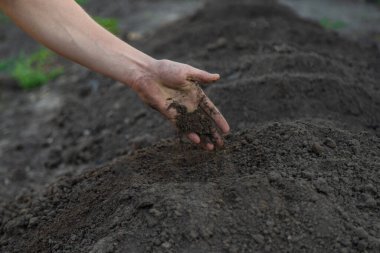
(309, 183)
(193, 122)
(197, 121)
(270, 189)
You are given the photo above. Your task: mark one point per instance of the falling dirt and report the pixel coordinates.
(197, 121)
(299, 173)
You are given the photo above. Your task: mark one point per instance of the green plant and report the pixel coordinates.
(82, 2)
(3, 18)
(33, 70)
(111, 24)
(7, 65)
(332, 24)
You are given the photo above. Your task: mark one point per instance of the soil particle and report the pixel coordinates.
(166, 245)
(219, 43)
(317, 148)
(322, 186)
(274, 176)
(330, 143)
(259, 238)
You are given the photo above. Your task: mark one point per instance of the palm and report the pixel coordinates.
(177, 84)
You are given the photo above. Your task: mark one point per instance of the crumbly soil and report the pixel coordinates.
(193, 122)
(197, 121)
(299, 173)
(294, 186)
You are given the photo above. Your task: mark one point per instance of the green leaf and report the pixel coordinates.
(36, 69)
(111, 24)
(3, 18)
(330, 24)
(82, 2)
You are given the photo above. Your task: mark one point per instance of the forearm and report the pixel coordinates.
(64, 27)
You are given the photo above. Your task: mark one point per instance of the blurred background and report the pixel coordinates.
(29, 64)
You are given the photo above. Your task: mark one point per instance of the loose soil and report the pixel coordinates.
(294, 186)
(307, 183)
(198, 121)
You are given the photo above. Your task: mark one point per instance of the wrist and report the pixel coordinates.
(141, 70)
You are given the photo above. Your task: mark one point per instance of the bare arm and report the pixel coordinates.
(64, 27)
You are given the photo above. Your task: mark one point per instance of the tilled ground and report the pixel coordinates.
(295, 187)
(306, 184)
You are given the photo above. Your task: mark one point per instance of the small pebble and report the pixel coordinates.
(166, 245)
(154, 212)
(274, 176)
(33, 221)
(259, 238)
(308, 174)
(317, 148)
(73, 237)
(330, 143)
(322, 186)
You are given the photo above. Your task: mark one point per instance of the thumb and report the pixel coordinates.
(203, 76)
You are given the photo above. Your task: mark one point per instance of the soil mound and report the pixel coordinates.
(283, 186)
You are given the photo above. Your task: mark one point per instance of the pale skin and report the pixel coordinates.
(64, 27)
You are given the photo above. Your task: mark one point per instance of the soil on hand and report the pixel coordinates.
(197, 121)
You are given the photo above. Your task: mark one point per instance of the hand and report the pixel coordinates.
(166, 82)
(171, 88)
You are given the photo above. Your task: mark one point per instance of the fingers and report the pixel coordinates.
(209, 146)
(214, 138)
(202, 76)
(193, 137)
(217, 138)
(206, 143)
(209, 107)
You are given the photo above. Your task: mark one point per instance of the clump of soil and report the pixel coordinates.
(197, 121)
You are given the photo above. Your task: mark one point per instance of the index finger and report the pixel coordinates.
(202, 76)
(208, 106)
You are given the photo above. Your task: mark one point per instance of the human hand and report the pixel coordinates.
(172, 89)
